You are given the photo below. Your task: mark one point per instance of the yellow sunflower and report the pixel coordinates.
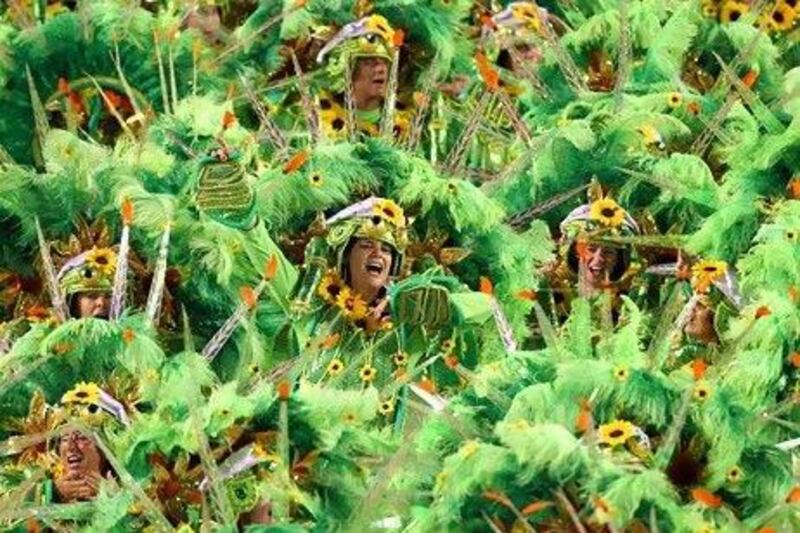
(621, 373)
(88, 393)
(674, 100)
(735, 474)
(702, 391)
(732, 11)
(333, 118)
(391, 212)
(335, 367)
(607, 212)
(352, 306)
(330, 287)
(315, 180)
(782, 17)
(706, 272)
(386, 407)
(400, 358)
(102, 260)
(710, 8)
(616, 432)
(367, 373)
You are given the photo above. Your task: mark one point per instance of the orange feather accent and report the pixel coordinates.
(699, 368)
(249, 296)
(490, 76)
(497, 497)
(398, 38)
(271, 268)
(763, 311)
(228, 119)
(706, 497)
(486, 286)
(330, 341)
(284, 390)
(128, 335)
(750, 78)
(427, 385)
(127, 212)
(535, 507)
(528, 294)
(296, 162)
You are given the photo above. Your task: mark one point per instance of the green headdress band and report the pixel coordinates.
(91, 271)
(379, 219)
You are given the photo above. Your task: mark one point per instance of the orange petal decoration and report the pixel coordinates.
(127, 212)
(750, 78)
(699, 367)
(584, 420)
(490, 76)
(228, 119)
(795, 359)
(693, 108)
(284, 390)
(793, 294)
(497, 497)
(535, 507)
(766, 530)
(794, 495)
(427, 385)
(763, 311)
(271, 268)
(706, 497)
(330, 341)
(451, 361)
(528, 294)
(794, 189)
(486, 20)
(63, 86)
(249, 296)
(128, 335)
(296, 162)
(486, 286)
(398, 38)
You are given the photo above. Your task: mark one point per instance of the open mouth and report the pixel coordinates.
(374, 266)
(74, 460)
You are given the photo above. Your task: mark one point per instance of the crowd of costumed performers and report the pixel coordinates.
(400, 265)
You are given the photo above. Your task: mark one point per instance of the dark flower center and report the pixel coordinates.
(735, 14)
(337, 124)
(608, 212)
(617, 433)
(333, 289)
(778, 17)
(710, 269)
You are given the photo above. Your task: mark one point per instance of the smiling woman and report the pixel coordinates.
(369, 264)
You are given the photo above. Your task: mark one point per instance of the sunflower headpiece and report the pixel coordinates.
(90, 271)
(92, 404)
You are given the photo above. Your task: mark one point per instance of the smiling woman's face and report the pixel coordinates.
(370, 263)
